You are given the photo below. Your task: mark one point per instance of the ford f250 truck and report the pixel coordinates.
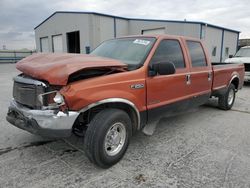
(123, 86)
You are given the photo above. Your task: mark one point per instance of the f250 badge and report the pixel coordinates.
(137, 86)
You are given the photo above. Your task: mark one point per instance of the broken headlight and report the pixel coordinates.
(51, 100)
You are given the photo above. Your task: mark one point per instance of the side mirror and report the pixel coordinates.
(230, 56)
(162, 68)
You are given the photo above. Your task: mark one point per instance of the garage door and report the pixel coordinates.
(153, 31)
(57, 43)
(44, 44)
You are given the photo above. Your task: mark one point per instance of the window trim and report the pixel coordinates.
(189, 55)
(182, 50)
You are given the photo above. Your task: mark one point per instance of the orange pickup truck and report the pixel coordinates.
(123, 86)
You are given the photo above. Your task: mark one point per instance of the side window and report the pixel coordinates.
(197, 54)
(169, 51)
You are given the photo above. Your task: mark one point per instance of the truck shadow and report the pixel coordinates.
(212, 102)
(166, 125)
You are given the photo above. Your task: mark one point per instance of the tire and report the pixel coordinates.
(101, 130)
(226, 101)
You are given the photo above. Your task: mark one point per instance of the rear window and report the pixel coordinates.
(197, 54)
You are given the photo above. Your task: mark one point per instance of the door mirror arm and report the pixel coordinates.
(152, 72)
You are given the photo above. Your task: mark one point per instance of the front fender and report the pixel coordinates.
(77, 97)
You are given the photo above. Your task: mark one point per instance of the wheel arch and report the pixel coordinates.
(119, 103)
(235, 81)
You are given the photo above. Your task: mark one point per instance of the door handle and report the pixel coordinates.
(188, 79)
(209, 76)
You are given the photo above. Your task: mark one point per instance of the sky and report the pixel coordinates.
(19, 17)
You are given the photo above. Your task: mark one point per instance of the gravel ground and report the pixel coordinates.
(207, 147)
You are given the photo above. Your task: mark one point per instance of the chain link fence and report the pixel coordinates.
(13, 56)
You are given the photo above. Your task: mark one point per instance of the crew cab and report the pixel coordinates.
(123, 86)
(242, 57)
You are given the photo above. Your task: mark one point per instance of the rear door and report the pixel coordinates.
(200, 77)
(164, 92)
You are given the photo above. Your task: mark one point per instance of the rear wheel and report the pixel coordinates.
(226, 101)
(107, 137)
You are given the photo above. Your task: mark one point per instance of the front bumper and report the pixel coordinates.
(45, 123)
(247, 77)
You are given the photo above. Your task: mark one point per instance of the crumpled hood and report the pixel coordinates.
(56, 68)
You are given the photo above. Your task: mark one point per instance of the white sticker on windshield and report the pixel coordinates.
(143, 42)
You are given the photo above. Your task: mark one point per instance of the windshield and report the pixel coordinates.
(243, 52)
(131, 51)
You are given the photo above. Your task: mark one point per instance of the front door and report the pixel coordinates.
(167, 93)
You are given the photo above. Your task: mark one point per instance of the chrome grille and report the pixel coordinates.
(25, 91)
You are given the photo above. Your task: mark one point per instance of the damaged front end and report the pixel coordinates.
(38, 104)
(40, 109)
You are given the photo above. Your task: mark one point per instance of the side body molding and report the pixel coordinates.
(115, 100)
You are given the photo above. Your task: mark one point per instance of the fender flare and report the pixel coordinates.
(115, 100)
(233, 77)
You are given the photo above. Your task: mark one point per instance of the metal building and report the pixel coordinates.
(79, 32)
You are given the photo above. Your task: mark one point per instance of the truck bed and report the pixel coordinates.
(221, 71)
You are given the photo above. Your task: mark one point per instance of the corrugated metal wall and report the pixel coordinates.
(62, 24)
(230, 42)
(94, 29)
(213, 39)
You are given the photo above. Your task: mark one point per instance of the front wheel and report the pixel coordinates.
(226, 101)
(107, 137)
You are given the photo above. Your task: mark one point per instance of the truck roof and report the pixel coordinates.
(160, 36)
